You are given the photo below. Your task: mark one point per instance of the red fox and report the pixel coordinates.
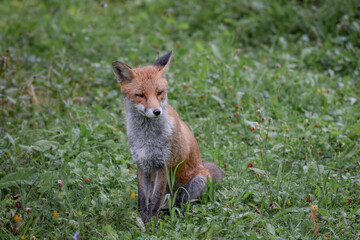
(159, 139)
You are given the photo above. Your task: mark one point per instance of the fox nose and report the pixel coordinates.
(157, 112)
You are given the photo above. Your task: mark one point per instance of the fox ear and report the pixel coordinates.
(123, 72)
(164, 62)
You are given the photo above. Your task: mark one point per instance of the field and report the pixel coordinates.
(271, 90)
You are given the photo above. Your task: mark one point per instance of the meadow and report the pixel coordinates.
(270, 90)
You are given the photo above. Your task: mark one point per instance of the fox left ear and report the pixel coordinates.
(123, 72)
(164, 62)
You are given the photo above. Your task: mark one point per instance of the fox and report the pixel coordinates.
(159, 139)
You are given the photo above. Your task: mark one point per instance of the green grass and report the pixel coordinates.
(292, 66)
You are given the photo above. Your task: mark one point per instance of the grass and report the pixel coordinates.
(270, 89)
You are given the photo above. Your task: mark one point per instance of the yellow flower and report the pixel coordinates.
(17, 218)
(56, 214)
(323, 90)
(22, 237)
(318, 90)
(132, 195)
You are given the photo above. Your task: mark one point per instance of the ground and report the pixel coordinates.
(269, 88)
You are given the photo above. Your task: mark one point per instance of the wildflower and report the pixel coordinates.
(16, 196)
(317, 125)
(271, 205)
(313, 209)
(306, 140)
(236, 114)
(60, 183)
(229, 115)
(326, 235)
(230, 88)
(225, 165)
(309, 199)
(17, 218)
(243, 101)
(90, 79)
(350, 200)
(252, 128)
(18, 206)
(250, 165)
(22, 237)
(319, 153)
(268, 137)
(236, 106)
(227, 205)
(244, 68)
(56, 214)
(28, 209)
(75, 236)
(257, 210)
(132, 195)
(288, 203)
(278, 65)
(186, 86)
(235, 122)
(319, 90)
(86, 179)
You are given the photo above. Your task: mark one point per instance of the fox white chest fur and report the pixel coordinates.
(149, 138)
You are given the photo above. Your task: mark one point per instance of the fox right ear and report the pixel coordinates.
(123, 72)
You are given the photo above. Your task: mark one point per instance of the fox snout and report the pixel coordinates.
(149, 112)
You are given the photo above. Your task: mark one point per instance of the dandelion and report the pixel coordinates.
(132, 195)
(17, 218)
(319, 90)
(313, 209)
(55, 214)
(22, 237)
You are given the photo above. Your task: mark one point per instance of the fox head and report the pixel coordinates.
(144, 88)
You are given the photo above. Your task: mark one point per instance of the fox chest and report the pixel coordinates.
(150, 144)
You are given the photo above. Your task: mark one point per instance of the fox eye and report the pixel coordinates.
(159, 93)
(140, 95)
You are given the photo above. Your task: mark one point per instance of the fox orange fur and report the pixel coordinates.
(159, 139)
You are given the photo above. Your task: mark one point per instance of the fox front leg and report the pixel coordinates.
(144, 185)
(157, 193)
